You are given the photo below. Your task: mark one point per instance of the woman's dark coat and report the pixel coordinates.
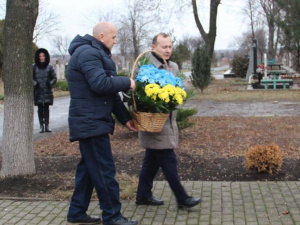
(44, 78)
(94, 85)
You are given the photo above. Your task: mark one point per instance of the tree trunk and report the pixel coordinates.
(272, 12)
(210, 37)
(18, 155)
(134, 40)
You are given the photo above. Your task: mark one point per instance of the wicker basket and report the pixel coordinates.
(144, 121)
(149, 122)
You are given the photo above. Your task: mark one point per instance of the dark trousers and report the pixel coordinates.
(166, 160)
(43, 112)
(96, 169)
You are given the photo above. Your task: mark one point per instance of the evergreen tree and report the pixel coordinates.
(201, 68)
(290, 25)
(180, 54)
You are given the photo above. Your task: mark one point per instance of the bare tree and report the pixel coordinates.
(271, 13)
(47, 23)
(140, 19)
(244, 42)
(17, 146)
(191, 42)
(210, 36)
(60, 45)
(94, 16)
(261, 37)
(251, 10)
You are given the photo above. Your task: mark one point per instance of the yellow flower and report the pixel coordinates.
(179, 99)
(152, 89)
(170, 89)
(181, 92)
(164, 95)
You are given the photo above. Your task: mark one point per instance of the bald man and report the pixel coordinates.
(94, 86)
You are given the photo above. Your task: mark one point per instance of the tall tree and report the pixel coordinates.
(290, 25)
(61, 45)
(47, 22)
(251, 11)
(140, 19)
(209, 38)
(272, 13)
(17, 146)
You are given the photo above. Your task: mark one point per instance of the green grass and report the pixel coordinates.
(235, 89)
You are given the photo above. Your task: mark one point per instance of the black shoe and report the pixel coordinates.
(84, 220)
(122, 221)
(42, 129)
(149, 201)
(47, 129)
(189, 203)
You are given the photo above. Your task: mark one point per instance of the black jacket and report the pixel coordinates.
(44, 78)
(94, 85)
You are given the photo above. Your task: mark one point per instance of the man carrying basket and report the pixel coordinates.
(160, 145)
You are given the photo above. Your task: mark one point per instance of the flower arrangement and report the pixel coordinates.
(157, 90)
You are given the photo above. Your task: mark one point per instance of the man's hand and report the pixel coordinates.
(132, 85)
(130, 125)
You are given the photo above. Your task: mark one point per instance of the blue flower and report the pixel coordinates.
(149, 74)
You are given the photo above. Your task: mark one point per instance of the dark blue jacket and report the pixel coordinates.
(94, 86)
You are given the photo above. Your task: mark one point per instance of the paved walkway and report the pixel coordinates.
(224, 203)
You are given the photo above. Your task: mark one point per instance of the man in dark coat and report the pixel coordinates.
(94, 87)
(44, 78)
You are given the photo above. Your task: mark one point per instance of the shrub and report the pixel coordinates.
(61, 85)
(182, 118)
(240, 64)
(264, 158)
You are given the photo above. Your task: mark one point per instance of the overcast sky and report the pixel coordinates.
(78, 17)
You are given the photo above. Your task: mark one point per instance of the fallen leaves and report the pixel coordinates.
(286, 212)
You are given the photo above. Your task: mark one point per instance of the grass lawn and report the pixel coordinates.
(235, 89)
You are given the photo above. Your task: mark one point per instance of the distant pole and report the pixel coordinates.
(254, 46)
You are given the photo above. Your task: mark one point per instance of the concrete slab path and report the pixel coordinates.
(224, 203)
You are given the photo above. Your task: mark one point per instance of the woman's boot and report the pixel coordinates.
(47, 129)
(42, 130)
(46, 117)
(41, 118)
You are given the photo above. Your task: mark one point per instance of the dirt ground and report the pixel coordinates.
(212, 150)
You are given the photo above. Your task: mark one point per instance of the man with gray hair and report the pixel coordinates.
(94, 86)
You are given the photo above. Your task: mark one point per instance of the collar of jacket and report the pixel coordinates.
(157, 62)
(98, 44)
(159, 59)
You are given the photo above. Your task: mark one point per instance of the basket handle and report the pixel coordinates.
(133, 67)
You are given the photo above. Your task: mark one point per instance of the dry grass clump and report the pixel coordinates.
(128, 185)
(264, 158)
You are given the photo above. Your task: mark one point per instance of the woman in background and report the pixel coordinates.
(44, 78)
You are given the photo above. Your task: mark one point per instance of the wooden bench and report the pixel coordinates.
(284, 82)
